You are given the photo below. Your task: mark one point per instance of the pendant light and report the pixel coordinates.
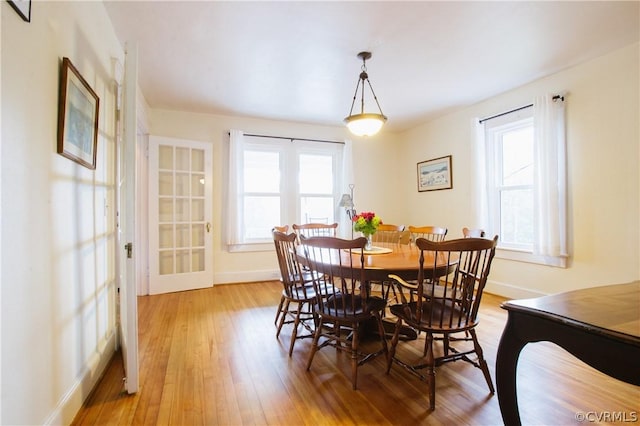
(364, 124)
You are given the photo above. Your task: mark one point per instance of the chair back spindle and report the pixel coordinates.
(475, 233)
(431, 233)
(315, 229)
(388, 234)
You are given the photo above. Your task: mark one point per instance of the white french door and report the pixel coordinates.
(180, 210)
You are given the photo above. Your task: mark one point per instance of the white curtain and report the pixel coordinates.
(550, 177)
(479, 206)
(234, 190)
(345, 225)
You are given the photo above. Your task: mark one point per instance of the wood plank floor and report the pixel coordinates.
(210, 357)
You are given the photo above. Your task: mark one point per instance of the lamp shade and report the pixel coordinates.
(346, 201)
(365, 124)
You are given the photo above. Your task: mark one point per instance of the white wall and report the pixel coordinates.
(58, 275)
(603, 148)
(603, 118)
(372, 156)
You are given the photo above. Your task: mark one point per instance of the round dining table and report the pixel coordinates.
(386, 259)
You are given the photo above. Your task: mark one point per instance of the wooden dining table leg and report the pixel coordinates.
(506, 363)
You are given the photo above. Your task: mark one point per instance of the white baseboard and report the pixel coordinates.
(510, 291)
(72, 401)
(246, 276)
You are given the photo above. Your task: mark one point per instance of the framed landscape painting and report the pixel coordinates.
(77, 117)
(435, 174)
(23, 7)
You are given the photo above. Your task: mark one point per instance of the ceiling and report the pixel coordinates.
(297, 61)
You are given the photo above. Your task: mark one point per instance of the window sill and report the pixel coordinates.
(253, 247)
(528, 257)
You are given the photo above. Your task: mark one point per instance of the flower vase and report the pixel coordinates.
(369, 244)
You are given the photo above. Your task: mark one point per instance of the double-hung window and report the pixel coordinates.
(510, 179)
(521, 176)
(276, 181)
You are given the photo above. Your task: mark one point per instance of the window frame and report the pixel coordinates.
(495, 179)
(289, 191)
(513, 252)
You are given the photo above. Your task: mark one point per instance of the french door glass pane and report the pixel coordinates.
(197, 210)
(182, 184)
(197, 235)
(182, 236)
(165, 236)
(197, 260)
(165, 157)
(182, 159)
(182, 210)
(165, 186)
(197, 160)
(166, 262)
(165, 209)
(183, 261)
(197, 185)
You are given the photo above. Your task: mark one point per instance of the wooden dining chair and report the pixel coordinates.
(446, 304)
(388, 234)
(472, 233)
(297, 289)
(337, 266)
(316, 229)
(431, 233)
(283, 228)
(324, 220)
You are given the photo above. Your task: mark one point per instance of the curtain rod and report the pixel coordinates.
(293, 139)
(556, 97)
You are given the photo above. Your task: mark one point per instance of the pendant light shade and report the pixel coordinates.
(364, 123)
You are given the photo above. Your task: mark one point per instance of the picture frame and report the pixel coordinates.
(77, 117)
(23, 7)
(435, 174)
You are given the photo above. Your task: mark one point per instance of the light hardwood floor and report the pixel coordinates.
(211, 357)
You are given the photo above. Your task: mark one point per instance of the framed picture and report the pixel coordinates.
(435, 174)
(23, 7)
(77, 117)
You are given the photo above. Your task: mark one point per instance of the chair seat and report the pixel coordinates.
(302, 293)
(440, 308)
(350, 307)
